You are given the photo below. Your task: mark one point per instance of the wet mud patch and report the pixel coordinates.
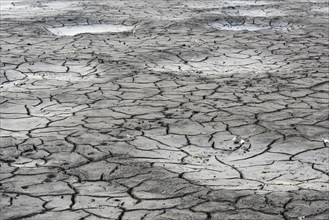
(89, 28)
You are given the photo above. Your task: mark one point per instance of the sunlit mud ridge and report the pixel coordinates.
(156, 110)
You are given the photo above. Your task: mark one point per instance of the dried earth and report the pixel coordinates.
(177, 109)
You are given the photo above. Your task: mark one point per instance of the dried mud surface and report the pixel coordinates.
(204, 110)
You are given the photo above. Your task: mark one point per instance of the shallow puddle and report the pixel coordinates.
(94, 28)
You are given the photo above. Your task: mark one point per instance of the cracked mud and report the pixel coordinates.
(160, 110)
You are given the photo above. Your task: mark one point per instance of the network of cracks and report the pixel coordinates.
(164, 110)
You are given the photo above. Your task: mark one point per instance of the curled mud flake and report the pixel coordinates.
(239, 140)
(27, 162)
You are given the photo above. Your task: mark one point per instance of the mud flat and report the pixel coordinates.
(164, 110)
